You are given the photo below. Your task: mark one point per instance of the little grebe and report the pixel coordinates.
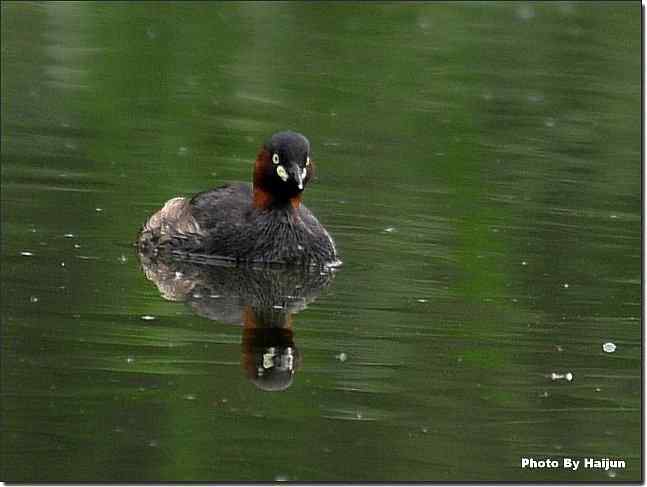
(264, 223)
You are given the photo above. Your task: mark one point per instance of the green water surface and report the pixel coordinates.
(479, 166)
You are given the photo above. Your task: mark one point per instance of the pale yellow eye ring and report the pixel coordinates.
(275, 158)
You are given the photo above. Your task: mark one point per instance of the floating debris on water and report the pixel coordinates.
(148, 318)
(153, 444)
(342, 357)
(523, 262)
(98, 210)
(77, 246)
(130, 360)
(26, 254)
(62, 264)
(389, 229)
(123, 259)
(69, 235)
(609, 347)
(565, 285)
(277, 306)
(189, 397)
(525, 12)
(567, 376)
(421, 300)
(33, 299)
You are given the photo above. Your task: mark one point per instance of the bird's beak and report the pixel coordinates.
(296, 173)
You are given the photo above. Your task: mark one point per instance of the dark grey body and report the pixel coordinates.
(223, 222)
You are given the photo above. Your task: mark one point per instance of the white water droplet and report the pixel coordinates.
(609, 347)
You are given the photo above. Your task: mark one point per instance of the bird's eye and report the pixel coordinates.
(308, 161)
(275, 158)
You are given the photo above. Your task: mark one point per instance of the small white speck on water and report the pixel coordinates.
(148, 317)
(62, 264)
(523, 262)
(153, 444)
(342, 357)
(559, 348)
(544, 394)
(98, 210)
(359, 415)
(189, 397)
(421, 300)
(389, 229)
(281, 478)
(549, 122)
(26, 254)
(33, 299)
(609, 347)
(123, 259)
(130, 360)
(613, 216)
(567, 376)
(182, 151)
(69, 235)
(77, 246)
(277, 306)
(565, 285)
(597, 389)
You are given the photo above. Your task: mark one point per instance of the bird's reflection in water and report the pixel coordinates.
(262, 299)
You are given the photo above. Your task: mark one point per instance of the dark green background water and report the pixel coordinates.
(479, 166)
